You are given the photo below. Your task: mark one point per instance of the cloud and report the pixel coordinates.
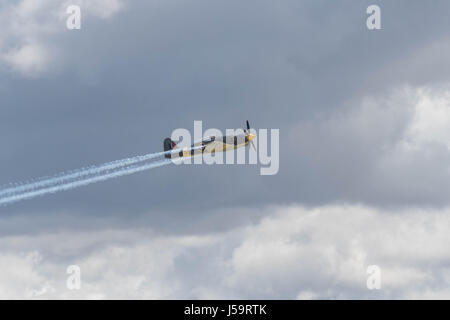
(391, 148)
(27, 43)
(100, 8)
(333, 88)
(294, 252)
(28, 59)
(431, 117)
(362, 118)
(327, 250)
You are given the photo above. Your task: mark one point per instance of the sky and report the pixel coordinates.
(364, 175)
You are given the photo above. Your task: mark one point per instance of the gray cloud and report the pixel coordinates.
(362, 117)
(293, 252)
(151, 68)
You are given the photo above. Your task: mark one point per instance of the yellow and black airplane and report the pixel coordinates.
(211, 144)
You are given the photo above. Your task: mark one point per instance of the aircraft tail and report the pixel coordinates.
(168, 145)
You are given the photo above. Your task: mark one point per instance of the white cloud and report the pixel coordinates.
(431, 117)
(294, 252)
(100, 8)
(328, 249)
(392, 148)
(29, 59)
(307, 295)
(411, 117)
(27, 43)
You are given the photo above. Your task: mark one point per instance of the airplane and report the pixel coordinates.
(211, 144)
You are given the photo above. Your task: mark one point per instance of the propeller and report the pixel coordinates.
(247, 132)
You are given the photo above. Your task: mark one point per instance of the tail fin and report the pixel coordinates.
(168, 145)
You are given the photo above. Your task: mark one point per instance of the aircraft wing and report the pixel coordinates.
(213, 146)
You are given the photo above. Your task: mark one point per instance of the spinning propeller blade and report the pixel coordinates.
(247, 132)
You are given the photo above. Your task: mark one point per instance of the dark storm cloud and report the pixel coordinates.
(119, 86)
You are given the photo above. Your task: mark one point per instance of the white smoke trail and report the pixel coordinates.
(81, 181)
(66, 177)
(84, 176)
